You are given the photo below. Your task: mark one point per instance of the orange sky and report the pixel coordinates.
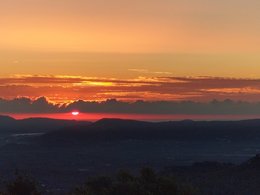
(130, 26)
(129, 41)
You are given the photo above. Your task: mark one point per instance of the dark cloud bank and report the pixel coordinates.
(41, 105)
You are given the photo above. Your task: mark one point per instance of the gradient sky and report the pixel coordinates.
(131, 26)
(125, 49)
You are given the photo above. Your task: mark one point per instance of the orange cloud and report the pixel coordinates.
(62, 88)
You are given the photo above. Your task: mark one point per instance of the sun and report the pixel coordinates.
(75, 113)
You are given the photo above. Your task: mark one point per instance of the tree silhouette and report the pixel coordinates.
(22, 185)
(148, 183)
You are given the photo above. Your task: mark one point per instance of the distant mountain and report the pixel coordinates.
(117, 129)
(31, 125)
(118, 123)
(6, 120)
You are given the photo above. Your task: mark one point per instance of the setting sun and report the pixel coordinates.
(75, 113)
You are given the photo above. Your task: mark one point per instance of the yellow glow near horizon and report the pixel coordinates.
(116, 65)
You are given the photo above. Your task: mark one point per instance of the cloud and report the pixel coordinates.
(62, 88)
(214, 107)
(145, 71)
(26, 105)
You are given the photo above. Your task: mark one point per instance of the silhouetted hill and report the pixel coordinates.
(119, 123)
(253, 162)
(221, 178)
(10, 125)
(6, 121)
(117, 129)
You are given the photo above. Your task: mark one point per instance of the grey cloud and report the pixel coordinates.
(41, 105)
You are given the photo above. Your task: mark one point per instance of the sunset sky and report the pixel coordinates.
(129, 50)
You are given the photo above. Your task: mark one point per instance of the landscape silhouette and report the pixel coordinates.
(175, 157)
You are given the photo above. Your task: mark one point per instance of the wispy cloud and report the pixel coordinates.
(62, 88)
(145, 71)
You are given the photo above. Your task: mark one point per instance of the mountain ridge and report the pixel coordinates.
(119, 129)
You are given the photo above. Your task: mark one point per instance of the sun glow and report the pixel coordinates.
(75, 113)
